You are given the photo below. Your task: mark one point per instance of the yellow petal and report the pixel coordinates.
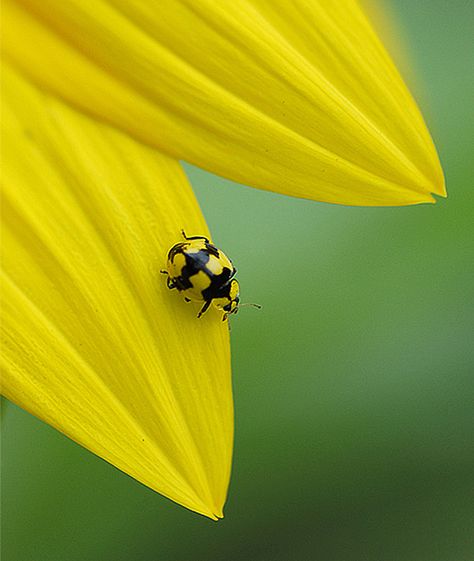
(296, 97)
(93, 341)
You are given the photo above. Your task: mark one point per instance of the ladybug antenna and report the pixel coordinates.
(248, 304)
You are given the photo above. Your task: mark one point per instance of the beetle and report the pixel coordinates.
(203, 273)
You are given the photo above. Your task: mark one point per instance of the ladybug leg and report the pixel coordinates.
(226, 318)
(194, 237)
(204, 308)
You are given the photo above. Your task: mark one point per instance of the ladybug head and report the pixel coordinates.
(233, 305)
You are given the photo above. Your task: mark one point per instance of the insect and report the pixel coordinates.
(203, 273)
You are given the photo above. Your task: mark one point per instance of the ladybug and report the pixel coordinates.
(203, 273)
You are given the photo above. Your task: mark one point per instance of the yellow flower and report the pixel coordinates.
(92, 341)
(294, 97)
(297, 97)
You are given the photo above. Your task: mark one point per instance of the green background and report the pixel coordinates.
(354, 386)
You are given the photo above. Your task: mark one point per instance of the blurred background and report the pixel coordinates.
(354, 386)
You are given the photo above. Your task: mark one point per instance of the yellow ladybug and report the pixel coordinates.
(203, 273)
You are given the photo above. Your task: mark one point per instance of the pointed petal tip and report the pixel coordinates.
(439, 181)
(438, 189)
(441, 189)
(214, 514)
(219, 514)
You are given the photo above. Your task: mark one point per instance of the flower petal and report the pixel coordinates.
(294, 97)
(93, 341)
